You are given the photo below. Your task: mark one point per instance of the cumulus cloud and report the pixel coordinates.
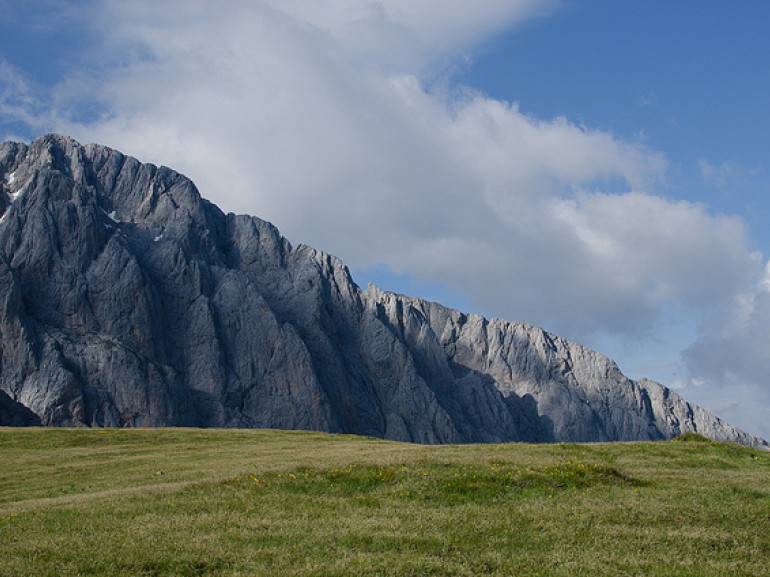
(729, 362)
(339, 121)
(327, 118)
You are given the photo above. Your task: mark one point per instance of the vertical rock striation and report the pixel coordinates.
(128, 300)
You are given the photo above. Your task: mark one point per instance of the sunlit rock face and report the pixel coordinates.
(128, 300)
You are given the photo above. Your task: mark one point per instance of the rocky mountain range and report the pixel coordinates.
(126, 299)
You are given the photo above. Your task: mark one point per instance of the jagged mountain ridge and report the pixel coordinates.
(129, 300)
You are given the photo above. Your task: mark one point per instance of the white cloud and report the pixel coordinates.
(17, 102)
(721, 176)
(317, 116)
(732, 351)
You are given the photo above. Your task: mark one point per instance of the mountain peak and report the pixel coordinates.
(131, 301)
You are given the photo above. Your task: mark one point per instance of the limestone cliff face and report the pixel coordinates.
(554, 390)
(128, 300)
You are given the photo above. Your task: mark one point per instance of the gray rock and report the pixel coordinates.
(128, 300)
(14, 414)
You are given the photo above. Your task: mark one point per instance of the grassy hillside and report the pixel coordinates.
(226, 502)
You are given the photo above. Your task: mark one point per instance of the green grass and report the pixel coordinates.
(230, 502)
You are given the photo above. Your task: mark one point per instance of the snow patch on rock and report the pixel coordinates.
(113, 216)
(9, 179)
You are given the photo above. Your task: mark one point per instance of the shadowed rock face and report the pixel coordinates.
(13, 414)
(128, 300)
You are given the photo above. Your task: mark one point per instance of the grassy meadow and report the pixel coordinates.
(189, 502)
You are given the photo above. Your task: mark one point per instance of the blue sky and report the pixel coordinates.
(689, 78)
(597, 168)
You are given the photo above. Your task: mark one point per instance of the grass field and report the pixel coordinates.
(232, 502)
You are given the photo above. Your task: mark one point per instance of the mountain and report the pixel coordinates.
(129, 300)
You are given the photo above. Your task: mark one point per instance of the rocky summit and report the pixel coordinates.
(126, 299)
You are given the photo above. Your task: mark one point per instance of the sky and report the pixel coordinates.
(593, 167)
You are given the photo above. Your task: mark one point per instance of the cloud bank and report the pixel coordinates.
(731, 354)
(340, 122)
